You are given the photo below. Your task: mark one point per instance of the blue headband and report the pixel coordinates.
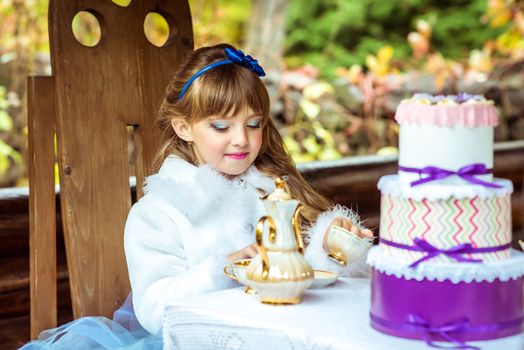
(235, 56)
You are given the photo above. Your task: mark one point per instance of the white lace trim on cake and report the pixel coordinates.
(505, 270)
(390, 184)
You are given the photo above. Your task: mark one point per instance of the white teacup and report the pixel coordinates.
(237, 270)
(344, 246)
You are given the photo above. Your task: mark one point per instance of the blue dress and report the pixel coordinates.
(100, 333)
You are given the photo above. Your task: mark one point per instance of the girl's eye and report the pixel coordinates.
(219, 126)
(255, 124)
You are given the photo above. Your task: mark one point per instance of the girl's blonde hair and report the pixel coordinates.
(227, 90)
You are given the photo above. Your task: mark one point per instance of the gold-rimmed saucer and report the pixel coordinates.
(323, 279)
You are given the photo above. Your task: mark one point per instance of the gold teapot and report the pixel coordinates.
(280, 273)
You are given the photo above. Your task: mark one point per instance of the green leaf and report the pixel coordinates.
(4, 164)
(311, 145)
(310, 109)
(303, 158)
(6, 123)
(292, 145)
(329, 153)
(7, 151)
(323, 134)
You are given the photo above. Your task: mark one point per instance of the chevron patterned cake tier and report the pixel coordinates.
(481, 220)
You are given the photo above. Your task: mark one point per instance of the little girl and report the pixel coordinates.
(220, 152)
(218, 156)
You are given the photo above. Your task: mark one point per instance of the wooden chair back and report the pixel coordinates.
(92, 100)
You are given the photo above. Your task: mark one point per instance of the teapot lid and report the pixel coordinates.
(281, 192)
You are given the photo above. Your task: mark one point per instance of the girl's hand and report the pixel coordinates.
(245, 253)
(348, 225)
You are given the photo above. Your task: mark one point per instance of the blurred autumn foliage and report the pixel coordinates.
(344, 65)
(340, 99)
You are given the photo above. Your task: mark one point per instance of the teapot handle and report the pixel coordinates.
(229, 273)
(296, 229)
(261, 248)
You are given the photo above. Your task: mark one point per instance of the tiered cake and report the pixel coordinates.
(444, 269)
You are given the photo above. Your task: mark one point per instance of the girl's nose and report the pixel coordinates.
(240, 137)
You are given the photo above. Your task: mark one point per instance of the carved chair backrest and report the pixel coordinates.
(94, 96)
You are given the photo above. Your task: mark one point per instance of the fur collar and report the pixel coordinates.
(199, 190)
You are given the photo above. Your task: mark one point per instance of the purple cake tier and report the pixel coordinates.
(433, 310)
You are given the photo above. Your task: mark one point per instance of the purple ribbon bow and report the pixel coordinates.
(238, 57)
(453, 252)
(467, 173)
(450, 331)
(443, 331)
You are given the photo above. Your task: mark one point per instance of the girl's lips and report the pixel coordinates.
(238, 156)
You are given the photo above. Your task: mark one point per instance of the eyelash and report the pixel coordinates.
(218, 127)
(256, 125)
(221, 128)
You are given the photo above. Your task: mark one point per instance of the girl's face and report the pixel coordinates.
(230, 143)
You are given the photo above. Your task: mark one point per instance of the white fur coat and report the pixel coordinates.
(177, 236)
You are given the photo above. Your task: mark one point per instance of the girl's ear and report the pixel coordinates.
(182, 130)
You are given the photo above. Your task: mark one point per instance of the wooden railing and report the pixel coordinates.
(350, 181)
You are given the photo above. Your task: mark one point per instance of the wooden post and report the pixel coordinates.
(42, 218)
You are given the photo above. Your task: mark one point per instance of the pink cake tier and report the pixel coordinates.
(465, 110)
(445, 217)
(451, 134)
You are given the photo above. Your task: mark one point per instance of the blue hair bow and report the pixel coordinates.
(238, 57)
(235, 56)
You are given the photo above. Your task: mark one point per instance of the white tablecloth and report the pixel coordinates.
(336, 317)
